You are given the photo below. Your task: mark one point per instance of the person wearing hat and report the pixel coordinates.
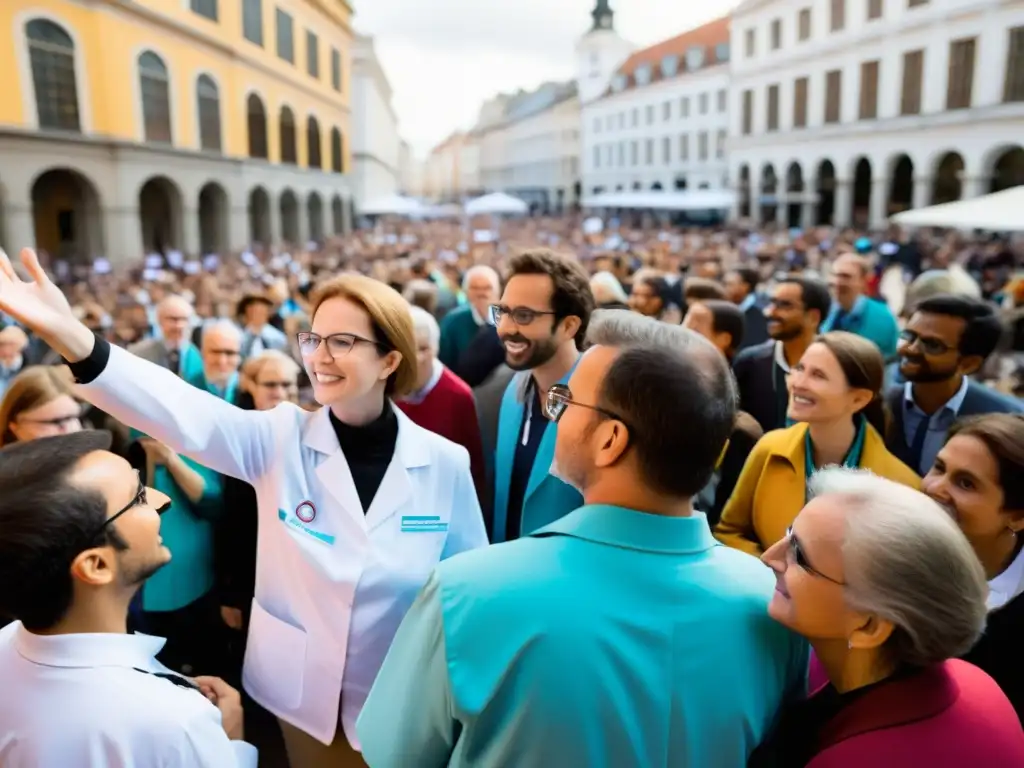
(254, 311)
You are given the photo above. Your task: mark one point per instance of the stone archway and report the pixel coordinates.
(1008, 170)
(160, 215)
(768, 200)
(901, 189)
(214, 214)
(947, 186)
(794, 192)
(744, 191)
(290, 230)
(860, 207)
(826, 181)
(67, 216)
(261, 230)
(337, 215)
(315, 216)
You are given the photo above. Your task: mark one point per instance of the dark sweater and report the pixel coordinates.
(368, 450)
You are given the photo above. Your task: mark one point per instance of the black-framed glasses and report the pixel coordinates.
(276, 384)
(519, 315)
(928, 346)
(338, 344)
(559, 397)
(800, 558)
(138, 499)
(59, 422)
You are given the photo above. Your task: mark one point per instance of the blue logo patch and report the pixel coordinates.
(297, 524)
(423, 524)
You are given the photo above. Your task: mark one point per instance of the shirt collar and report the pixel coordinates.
(476, 315)
(780, 357)
(952, 405)
(630, 529)
(1007, 585)
(747, 303)
(87, 650)
(435, 376)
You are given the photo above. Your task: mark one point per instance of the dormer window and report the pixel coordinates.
(669, 66)
(619, 83)
(722, 52)
(694, 58)
(643, 75)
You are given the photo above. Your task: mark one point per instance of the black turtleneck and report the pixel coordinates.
(368, 450)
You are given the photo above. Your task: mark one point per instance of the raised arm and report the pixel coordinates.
(136, 392)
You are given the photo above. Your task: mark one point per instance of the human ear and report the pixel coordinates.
(94, 567)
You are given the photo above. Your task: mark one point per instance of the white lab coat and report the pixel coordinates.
(80, 701)
(332, 583)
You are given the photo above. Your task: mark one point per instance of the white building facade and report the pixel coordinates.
(663, 122)
(376, 144)
(845, 111)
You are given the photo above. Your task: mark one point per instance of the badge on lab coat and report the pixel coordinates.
(423, 524)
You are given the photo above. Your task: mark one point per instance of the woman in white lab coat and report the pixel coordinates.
(356, 503)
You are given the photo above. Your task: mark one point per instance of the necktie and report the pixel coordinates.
(917, 447)
(174, 360)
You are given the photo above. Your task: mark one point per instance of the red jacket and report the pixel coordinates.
(449, 410)
(951, 715)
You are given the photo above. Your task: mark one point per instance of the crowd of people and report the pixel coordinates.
(541, 492)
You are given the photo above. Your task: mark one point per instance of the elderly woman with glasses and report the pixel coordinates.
(889, 593)
(40, 402)
(356, 503)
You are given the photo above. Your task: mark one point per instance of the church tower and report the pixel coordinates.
(599, 53)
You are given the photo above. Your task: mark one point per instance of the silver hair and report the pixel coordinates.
(955, 280)
(605, 286)
(427, 323)
(622, 328)
(907, 562)
(482, 269)
(223, 325)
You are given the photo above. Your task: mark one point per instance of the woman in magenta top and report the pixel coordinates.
(888, 591)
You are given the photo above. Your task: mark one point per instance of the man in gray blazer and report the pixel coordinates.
(174, 350)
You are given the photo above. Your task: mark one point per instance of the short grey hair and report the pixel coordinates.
(223, 326)
(606, 287)
(424, 322)
(486, 271)
(955, 280)
(906, 561)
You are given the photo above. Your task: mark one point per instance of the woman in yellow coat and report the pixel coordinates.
(836, 399)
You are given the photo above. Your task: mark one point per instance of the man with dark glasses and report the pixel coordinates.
(621, 634)
(79, 535)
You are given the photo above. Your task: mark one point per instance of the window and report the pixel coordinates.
(669, 66)
(722, 53)
(804, 24)
(285, 37)
(961, 74)
(622, 154)
(750, 43)
(748, 112)
(776, 34)
(1013, 88)
(684, 147)
(312, 55)
(694, 58)
(597, 125)
(703, 102)
(622, 120)
(916, 3)
(666, 150)
(336, 69)
(337, 152)
(52, 53)
(205, 8)
(666, 110)
(597, 157)
(154, 86)
(833, 95)
(256, 115)
(313, 143)
(649, 114)
(720, 144)
(208, 100)
(913, 76)
(868, 90)
(702, 146)
(619, 83)
(800, 102)
(636, 116)
(773, 107)
(252, 21)
(684, 107)
(634, 152)
(874, 9)
(723, 98)
(649, 152)
(837, 20)
(608, 122)
(286, 126)
(643, 75)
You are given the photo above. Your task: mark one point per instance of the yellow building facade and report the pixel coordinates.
(192, 125)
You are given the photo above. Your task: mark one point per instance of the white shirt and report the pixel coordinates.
(81, 701)
(1007, 585)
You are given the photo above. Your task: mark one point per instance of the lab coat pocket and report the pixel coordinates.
(275, 659)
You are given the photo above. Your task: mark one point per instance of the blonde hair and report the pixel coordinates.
(389, 315)
(32, 388)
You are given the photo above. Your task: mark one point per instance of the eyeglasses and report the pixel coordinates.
(559, 398)
(137, 500)
(519, 315)
(276, 384)
(61, 422)
(224, 352)
(338, 344)
(800, 559)
(928, 346)
(783, 304)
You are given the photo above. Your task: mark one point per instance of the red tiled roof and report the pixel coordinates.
(707, 37)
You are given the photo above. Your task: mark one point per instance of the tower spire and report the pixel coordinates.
(603, 15)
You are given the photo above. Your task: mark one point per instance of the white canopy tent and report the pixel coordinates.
(392, 205)
(999, 212)
(496, 203)
(690, 200)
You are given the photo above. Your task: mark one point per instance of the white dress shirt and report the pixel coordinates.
(95, 701)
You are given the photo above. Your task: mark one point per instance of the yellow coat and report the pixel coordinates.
(772, 488)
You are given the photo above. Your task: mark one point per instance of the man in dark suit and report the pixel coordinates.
(795, 311)
(741, 289)
(947, 339)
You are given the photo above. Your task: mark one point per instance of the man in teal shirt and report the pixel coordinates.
(620, 636)
(854, 311)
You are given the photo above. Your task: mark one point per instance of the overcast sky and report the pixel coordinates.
(444, 57)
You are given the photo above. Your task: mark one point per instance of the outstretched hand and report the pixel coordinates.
(40, 305)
